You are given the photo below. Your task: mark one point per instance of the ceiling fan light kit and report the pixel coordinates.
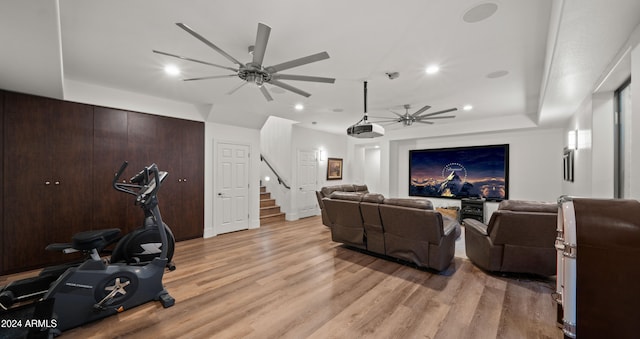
(254, 71)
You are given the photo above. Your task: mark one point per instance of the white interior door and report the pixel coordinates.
(232, 192)
(307, 181)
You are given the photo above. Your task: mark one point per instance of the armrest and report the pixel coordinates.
(476, 226)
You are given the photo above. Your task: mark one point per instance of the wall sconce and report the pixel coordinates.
(572, 139)
(323, 155)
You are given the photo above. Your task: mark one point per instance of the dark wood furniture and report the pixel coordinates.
(59, 158)
(472, 209)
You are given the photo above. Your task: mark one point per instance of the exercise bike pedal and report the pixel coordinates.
(166, 300)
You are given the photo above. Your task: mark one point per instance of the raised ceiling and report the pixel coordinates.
(506, 58)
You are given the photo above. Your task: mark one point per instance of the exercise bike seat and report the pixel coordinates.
(98, 239)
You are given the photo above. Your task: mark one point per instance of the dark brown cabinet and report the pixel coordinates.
(47, 193)
(59, 161)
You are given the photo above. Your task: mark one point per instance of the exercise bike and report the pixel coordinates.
(98, 288)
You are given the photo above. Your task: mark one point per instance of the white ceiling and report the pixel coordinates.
(547, 47)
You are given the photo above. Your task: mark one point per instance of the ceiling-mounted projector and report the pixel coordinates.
(364, 128)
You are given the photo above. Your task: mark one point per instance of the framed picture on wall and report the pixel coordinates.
(334, 169)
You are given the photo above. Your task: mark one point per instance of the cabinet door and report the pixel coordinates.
(182, 195)
(28, 181)
(142, 150)
(109, 151)
(47, 167)
(192, 171)
(71, 131)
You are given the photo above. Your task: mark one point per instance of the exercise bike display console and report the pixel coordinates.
(97, 288)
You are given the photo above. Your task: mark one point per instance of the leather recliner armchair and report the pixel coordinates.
(520, 238)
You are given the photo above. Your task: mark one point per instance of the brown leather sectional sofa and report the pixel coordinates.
(405, 229)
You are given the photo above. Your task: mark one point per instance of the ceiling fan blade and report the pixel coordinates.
(209, 43)
(439, 112)
(389, 123)
(420, 111)
(386, 118)
(235, 89)
(431, 118)
(401, 116)
(384, 121)
(194, 60)
(266, 94)
(298, 62)
(302, 78)
(211, 77)
(261, 43)
(425, 122)
(289, 88)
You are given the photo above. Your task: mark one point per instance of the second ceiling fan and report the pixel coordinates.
(408, 119)
(254, 71)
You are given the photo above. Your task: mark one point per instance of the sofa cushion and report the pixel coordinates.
(353, 196)
(373, 197)
(424, 204)
(528, 206)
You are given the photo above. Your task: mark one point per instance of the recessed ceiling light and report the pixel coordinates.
(433, 69)
(467, 107)
(299, 107)
(172, 70)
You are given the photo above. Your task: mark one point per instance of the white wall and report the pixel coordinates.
(602, 145)
(634, 187)
(280, 141)
(581, 122)
(594, 158)
(333, 145)
(535, 161)
(372, 164)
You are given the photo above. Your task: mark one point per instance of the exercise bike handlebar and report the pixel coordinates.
(146, 194)
(139, 184)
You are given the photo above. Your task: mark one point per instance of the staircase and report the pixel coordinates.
(269, 211)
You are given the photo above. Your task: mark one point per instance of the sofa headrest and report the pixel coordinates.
(346, 196)
(327, 190)
(361, 188)
(347, 188)
(528, 206)
(373, 197)
(424, 204)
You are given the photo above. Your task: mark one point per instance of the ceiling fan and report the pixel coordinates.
(254, 71)
(408, 119)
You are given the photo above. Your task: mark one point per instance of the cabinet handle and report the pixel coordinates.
(185, 179)
(47, 182)
(179, 180)
(57, 182)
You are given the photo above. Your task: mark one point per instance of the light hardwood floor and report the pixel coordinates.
(289, 280)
